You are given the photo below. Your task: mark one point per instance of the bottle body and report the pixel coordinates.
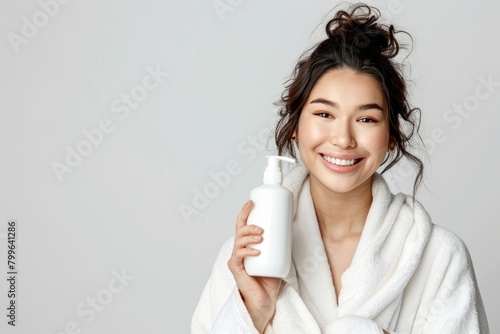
(273, 212)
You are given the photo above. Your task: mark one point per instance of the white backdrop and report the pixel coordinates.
(118, 117)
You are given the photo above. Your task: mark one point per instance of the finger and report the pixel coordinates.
(241, 253)
(235, 263)
(247, 240)
(248, 230)
(243, 215)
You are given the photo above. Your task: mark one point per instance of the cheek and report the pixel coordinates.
(377, 140)
(311, 132)
(309, 136)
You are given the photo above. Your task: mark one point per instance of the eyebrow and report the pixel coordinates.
(335, 105)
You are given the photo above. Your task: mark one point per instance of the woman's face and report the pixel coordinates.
(343, 131)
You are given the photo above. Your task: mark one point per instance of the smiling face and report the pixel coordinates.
(343, 131)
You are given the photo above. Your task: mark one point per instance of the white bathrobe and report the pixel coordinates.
(407, 276)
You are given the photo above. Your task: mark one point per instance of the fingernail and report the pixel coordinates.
(256, 237)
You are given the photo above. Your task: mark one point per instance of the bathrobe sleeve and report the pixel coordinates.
(451, 292)
(221, 309)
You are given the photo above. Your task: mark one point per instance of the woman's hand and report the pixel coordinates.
(259, 293)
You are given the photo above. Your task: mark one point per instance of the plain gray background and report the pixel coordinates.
(118, 212)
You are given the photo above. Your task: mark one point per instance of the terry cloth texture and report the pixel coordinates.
(408, 275)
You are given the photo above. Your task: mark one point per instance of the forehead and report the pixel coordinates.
(347, 87)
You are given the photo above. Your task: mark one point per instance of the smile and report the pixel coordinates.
(340, 162)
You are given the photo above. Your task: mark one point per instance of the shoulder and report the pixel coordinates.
(447, 241)
(444, 250)
(448, 251)
(441, 239)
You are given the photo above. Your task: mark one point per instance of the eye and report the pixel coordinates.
(323, 115)
(367, 120)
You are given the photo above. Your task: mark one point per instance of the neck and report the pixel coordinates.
(341, 215)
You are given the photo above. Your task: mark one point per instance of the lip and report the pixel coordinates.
(342, 169)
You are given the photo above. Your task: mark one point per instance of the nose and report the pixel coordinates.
(342, 135)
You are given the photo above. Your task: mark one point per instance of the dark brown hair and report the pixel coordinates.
(356, 40)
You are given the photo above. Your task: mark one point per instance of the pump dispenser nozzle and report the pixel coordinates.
(273, 174)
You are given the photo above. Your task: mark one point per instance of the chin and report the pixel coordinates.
(339, 184)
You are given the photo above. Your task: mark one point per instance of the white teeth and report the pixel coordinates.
(339, 162)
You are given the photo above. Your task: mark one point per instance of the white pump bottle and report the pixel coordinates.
(273, 212)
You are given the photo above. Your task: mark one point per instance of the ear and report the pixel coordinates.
(294, 136)
(392, 143)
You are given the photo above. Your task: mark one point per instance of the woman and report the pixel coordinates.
(364, 260)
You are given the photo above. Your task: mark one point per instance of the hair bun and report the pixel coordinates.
(359, 31)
